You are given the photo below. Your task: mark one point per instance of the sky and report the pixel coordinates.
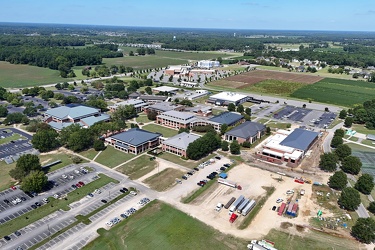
(337, 15)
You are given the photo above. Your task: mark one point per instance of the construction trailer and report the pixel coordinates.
(229, 202)
(248, 208)
(290, 208)
(243, 205)
(227, 182)
(294, 210)
(281, 209)
(236, 204)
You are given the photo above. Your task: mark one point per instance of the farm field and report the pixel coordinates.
(276, 87)
(337, 91)
(20, 75)
(256, 76)
(160, 226)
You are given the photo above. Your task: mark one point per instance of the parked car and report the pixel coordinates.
(17, 233)
(222, 168)
(90, 195)
(74, 186)
(133, 193)
(279, 200)
(64, 176)
(45, 200)
(6, 201)
(196, 169)
(124, 216)
(218, 157)
(37, 204)
(34, 207)
(13, 187)
(273, 208)
(184, 177)
(81, 183)
(104, 201)
(290, 191)
(7, 238)
(125, 189)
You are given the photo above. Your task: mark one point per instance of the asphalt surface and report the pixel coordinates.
(15, 147)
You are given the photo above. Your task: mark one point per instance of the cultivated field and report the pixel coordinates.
(160, 226)
(256, 76)
(337, 91)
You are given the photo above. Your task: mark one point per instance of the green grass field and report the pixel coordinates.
(54, 205)
(164, 179)
(91, 153)
(275, 87)
(160, 226)
(19, 75)
(142, 119)
(138, 167)
(311, 240)
(166, 132)
(13, 137)
(112, 157)
(337, 91)
(5, 180)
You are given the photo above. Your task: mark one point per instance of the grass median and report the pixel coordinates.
(53, 206)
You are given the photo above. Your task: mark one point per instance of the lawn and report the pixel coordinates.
(362, 129)
(112, 157)
(144, 62)
(177, 159)
(142, 119)
(20, 75)
(138, 167)
(311, 240)
(166, 132)
(160, 226)
(279, 125)
(13, 137)
(5, 180)
(164, 180)
(54, 205)
(65, 158)
(337, 91)
(91, 153)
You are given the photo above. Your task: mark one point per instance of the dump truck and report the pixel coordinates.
(243, 205)
(248, 208)
(229, 202)
(236, 204)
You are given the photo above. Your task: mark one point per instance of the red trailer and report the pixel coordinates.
(233, 218)
(299, 181)
(282, 208)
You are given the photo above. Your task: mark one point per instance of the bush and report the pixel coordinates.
(246, 144)
(99, 145)
(76, 159)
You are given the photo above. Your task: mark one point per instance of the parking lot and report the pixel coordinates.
(16, 147)
(292, 113)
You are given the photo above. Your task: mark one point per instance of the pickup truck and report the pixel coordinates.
(218, 207)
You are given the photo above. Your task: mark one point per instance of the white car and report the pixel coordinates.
(97, 191)
(56, 196)
(109, 224)
(279, 200)
(290, 191)
(18, 200)
(133, 193)
(219, 206)
(76, 171)
(64, 176)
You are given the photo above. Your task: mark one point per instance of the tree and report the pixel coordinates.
(187, 103)
(343, 151)
(35, 181)
(364, 230)
(326, 109)
(151, 115)
(240, 108)
(328, 162)
(343, 114)
(45, 140)
(52, 104)
(348, 122)
(336, 141)
(71, 87)
(67, 131)
(351, 164)
(182, 130)
(371, 207)
(231, 107)
(203, 146)
(13, 118)
(235, 147)
(349, 199)
(224, 146)
(99, 145)
(339, 132)
(25, 164)
(124, 112)
(246, 144)
(223, 129)
(268, 130)
(365, 184)
(80, 140)
(148, 90)
(131, 53)
(304, 106)
(3, 111)
(338, 181)
(248, 111)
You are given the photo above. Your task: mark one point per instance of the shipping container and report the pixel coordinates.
(282, 208)
(243, 205)
(229, 202)
(248, 208)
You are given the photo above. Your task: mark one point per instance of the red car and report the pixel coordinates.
(13, 187)
(78, 185)
(81, 183)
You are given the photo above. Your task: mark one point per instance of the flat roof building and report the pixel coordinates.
(165, 89)
(178, 144)
(225, 98)
(138, 105)
(161, 107)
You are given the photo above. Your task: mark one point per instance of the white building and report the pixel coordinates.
(208, 64)
(224, 98)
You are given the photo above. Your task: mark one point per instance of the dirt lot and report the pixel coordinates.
(251, 179)
(256, 76)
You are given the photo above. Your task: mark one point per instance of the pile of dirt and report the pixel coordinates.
(286, 225)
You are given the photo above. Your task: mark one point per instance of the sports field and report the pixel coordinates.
(367, 157)
(20, 75)
(337, 91)
(160, 226)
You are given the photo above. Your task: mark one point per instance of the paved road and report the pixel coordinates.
(328, 138)
(361, 210)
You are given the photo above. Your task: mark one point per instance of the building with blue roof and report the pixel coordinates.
(135, 140)
(64, 116)
(247, 131)
(229, 118)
